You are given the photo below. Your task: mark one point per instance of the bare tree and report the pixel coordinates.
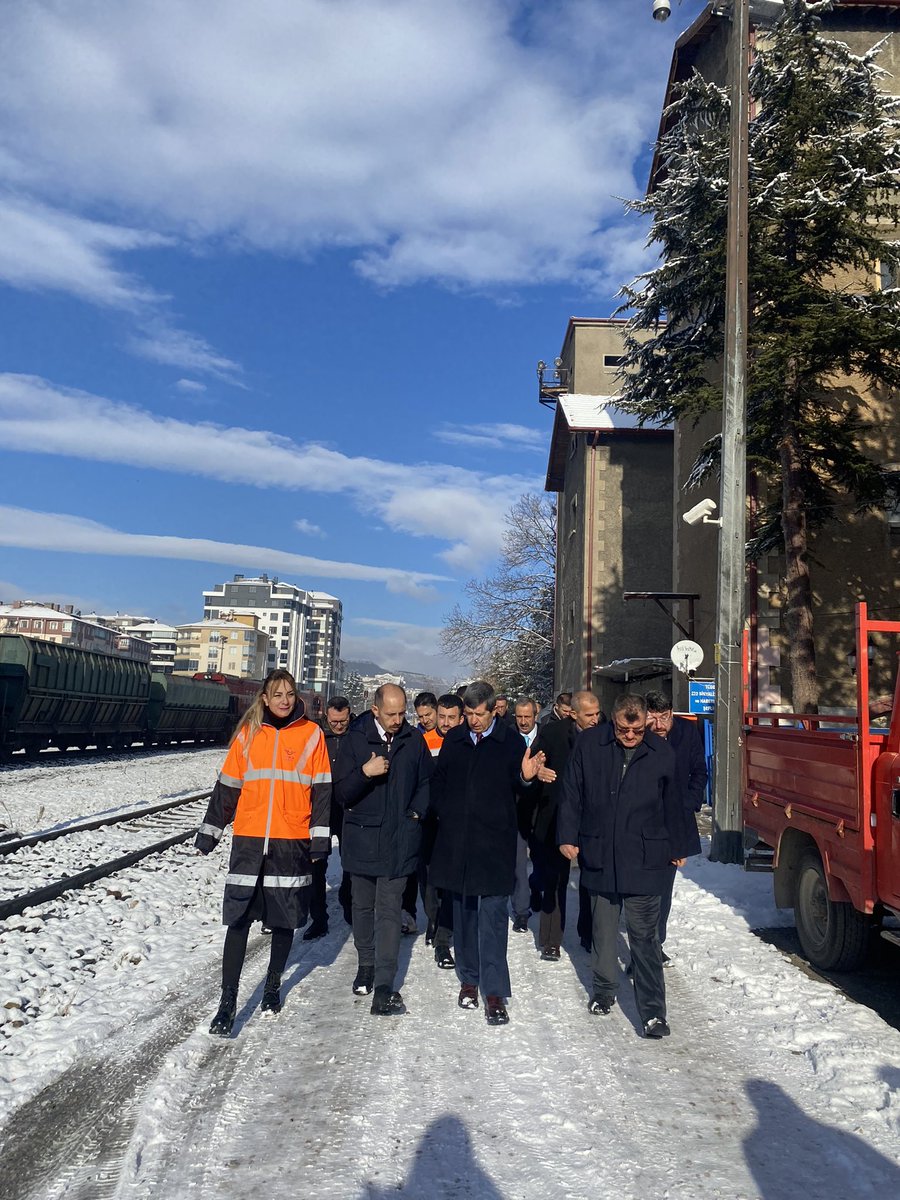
(506, 627)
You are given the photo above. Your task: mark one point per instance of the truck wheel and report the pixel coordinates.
(832, 933)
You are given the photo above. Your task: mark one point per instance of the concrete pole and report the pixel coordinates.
(727, 836)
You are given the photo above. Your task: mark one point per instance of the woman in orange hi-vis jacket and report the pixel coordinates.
(276, 788)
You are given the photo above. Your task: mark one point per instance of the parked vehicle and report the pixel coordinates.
(821, 806)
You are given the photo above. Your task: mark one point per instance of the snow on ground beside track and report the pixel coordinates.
(771, 1084)
(50, 794)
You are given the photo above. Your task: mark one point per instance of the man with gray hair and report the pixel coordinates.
(482, 768)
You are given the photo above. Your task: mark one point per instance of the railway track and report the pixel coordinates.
(153, 819)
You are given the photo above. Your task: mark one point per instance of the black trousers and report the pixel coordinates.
(641, 921)
(236, 950)
(665, 904)
(553, 873)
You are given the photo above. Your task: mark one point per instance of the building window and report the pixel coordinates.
(613, 360)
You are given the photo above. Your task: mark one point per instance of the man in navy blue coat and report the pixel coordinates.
(381, 782)
(482, 767)
(621, 811)
(691, 777)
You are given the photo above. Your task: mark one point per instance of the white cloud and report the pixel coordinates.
(161, 343)
(480, 143)
(495, 437)
(461, 506)
(190, 385)
(60, 532)
(399, 646)
(308, 527)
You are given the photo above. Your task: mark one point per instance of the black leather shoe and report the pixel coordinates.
(430, 933)
(444, 958)
(223, 1021)
(365, 978)
(315, 931)
(600, 1007)
(468, 996)
(520, 925)
(657, 1027)
(386, 1003)
(271, 1001)
(495, 1011)
(550, 954)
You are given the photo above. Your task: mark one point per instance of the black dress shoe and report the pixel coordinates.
(468, 996)
(223, 1021)
(365, 978)
(520, 925)
(386, 1003)
(495, 1011)
(600, 1007)
(444, 958)
(657, 1027)
(271, 1001)
(315, 931)
(429, 933)
(550, 954)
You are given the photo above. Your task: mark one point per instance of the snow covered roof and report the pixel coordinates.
(594, 412)
(576, 413)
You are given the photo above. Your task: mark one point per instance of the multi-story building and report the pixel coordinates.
(304, 627)
(233, 645)
(321, 660)
(51, 623)
(163, 640)
(614, 522)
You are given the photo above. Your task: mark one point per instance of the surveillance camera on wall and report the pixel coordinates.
(662, 10)
(702, 514)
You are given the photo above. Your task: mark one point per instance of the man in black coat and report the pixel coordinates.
(381, 782)
(482, 767)
(620, 810)
(555, 741)
(691, 777)
(334, 726)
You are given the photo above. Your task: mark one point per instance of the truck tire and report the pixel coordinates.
(833, 934)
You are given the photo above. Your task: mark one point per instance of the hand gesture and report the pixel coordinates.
(377, 765)
(531, 766)
(569, 852)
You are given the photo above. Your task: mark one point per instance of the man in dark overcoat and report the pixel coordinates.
(382, 783)
(691, 778)
(482, 768)
(620, 810)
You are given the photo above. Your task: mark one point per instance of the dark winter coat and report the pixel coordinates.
(381, 837)
(333, 742)
(556, 740)
(691, 772)
(628, 829)
(277, 792)
(473, 794)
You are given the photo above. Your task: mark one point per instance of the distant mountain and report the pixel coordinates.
(415, 680)
(365, 666)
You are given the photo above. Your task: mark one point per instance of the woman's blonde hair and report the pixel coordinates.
(253, 717)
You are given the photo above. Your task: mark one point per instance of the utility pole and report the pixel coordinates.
(727, 831)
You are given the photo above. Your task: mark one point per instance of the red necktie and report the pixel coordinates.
(478, 737)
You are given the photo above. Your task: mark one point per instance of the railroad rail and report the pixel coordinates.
(16, 905)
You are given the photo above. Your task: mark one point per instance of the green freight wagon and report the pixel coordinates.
(62, 696)
(182, 709)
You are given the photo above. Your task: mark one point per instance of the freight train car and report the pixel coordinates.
(57, 695)
(186, 710)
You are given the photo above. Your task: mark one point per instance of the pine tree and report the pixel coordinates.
(824, 171)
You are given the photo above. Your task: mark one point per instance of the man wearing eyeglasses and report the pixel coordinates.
(621, 811)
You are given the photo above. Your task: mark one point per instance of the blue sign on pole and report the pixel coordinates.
(702, 696)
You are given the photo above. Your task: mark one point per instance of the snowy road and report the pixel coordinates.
(772, 1084)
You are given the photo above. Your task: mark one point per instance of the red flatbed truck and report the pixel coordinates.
(821, 798)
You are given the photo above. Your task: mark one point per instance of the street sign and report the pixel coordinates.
(702, 696)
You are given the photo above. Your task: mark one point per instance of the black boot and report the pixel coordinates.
(271, 1001)
(223, 1021)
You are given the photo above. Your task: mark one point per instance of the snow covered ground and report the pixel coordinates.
(771, 1085)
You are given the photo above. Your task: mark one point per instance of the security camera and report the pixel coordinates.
(702, 514)
(662, 10)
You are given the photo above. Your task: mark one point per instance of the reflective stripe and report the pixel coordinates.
(435, 751)
(230, 780)
(270, 773)
(248, 881)
(312, 780)
(271, 794)
(320, 831)
(287, 881)
(212, 831)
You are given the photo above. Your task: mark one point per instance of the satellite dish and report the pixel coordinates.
(687, 656)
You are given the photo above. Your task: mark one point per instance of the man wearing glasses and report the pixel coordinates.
(691, 776)
(621, 811)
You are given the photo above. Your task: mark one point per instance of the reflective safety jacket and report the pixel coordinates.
(277, 791)
(433, 741)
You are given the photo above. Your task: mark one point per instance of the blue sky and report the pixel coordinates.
(273, 286)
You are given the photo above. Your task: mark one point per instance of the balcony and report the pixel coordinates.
(553, 382)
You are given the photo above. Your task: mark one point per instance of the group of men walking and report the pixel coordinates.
(455, 808)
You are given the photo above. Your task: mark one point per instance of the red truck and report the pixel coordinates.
(821, 802)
